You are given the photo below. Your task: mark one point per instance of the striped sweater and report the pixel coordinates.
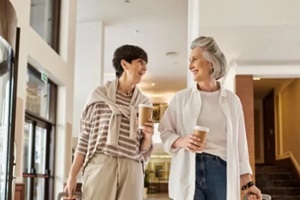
(94, 132)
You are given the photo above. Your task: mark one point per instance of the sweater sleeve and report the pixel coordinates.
(167, 128)
(85, 127)
(147, 153)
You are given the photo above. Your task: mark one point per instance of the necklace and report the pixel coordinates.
(127, 94)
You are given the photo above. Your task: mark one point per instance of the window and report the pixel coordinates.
(37, 97)
(45, 20)
(39, 137)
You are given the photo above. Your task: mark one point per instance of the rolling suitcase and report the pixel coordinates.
(65, 194)
(264, 197)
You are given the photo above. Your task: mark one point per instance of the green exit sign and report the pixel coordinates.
(44, 77)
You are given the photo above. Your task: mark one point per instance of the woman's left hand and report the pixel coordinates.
(148, 129)
(255, 193)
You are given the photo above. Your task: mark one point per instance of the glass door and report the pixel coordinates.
(7, 106)
(36, 171)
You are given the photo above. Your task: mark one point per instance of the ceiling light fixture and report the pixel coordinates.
(153, 84)
(256, 78)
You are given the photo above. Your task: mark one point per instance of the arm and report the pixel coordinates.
(245, 168)
(167, 128)
(148, 133)
(171, 139)
(243, 151)
(146, 144)
(189, 142)
(75, 168)
(81, 150)
(254, 192)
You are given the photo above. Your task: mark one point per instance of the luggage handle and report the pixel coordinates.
(264, 197)
(65, 194)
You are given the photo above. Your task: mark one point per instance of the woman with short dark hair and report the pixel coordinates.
(111, 151)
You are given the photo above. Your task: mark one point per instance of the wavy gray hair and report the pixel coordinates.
(213, 54)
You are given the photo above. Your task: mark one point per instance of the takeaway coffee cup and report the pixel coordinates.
(145, 113)
(201, 131)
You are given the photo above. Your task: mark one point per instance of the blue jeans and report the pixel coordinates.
(210, 177)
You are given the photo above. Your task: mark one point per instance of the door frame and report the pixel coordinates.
(43, 123)
(269, 128)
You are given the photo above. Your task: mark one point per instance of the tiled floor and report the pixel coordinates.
(158, 196)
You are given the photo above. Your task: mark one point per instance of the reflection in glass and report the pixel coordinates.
(40, 150)
(5, 105)
(27, 188)
(27, 144)
(38, 96)
(41, 18)
(39, 189)
(34, 159)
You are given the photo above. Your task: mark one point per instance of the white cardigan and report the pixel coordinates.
(179, 120)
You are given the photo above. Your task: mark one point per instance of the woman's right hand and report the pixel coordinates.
(71, 186)
(189, 142)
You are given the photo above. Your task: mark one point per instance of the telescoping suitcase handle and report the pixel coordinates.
(65, 194)
(264, 197)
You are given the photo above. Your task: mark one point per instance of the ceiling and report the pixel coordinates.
(245, 32)
(158, 26)
(263, 86)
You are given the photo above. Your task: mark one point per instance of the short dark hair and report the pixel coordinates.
(128, 53)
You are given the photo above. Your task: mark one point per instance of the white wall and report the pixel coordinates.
(193, 31)
(249, 13)
(88, 67)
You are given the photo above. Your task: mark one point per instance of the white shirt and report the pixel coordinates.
(179, 120)
(212, 116)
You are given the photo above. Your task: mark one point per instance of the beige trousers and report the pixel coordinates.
(112, 178)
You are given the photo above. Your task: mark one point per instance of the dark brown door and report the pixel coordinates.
(269, 130)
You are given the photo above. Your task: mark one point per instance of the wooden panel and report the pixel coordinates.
(158, 188)
(19, 191)
(244, 89)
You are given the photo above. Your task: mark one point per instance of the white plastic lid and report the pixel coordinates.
(201, 128)
(145, 105)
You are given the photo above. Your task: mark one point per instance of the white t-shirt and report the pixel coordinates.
(212, 116)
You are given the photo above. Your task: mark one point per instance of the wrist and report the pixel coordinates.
(147, 138)
(177, 144)
(245, 178)
(247, 185)
(72, 175)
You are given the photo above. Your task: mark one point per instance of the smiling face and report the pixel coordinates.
(199, 66)
(135, 70)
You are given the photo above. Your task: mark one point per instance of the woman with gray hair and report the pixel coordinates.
(211, 169)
